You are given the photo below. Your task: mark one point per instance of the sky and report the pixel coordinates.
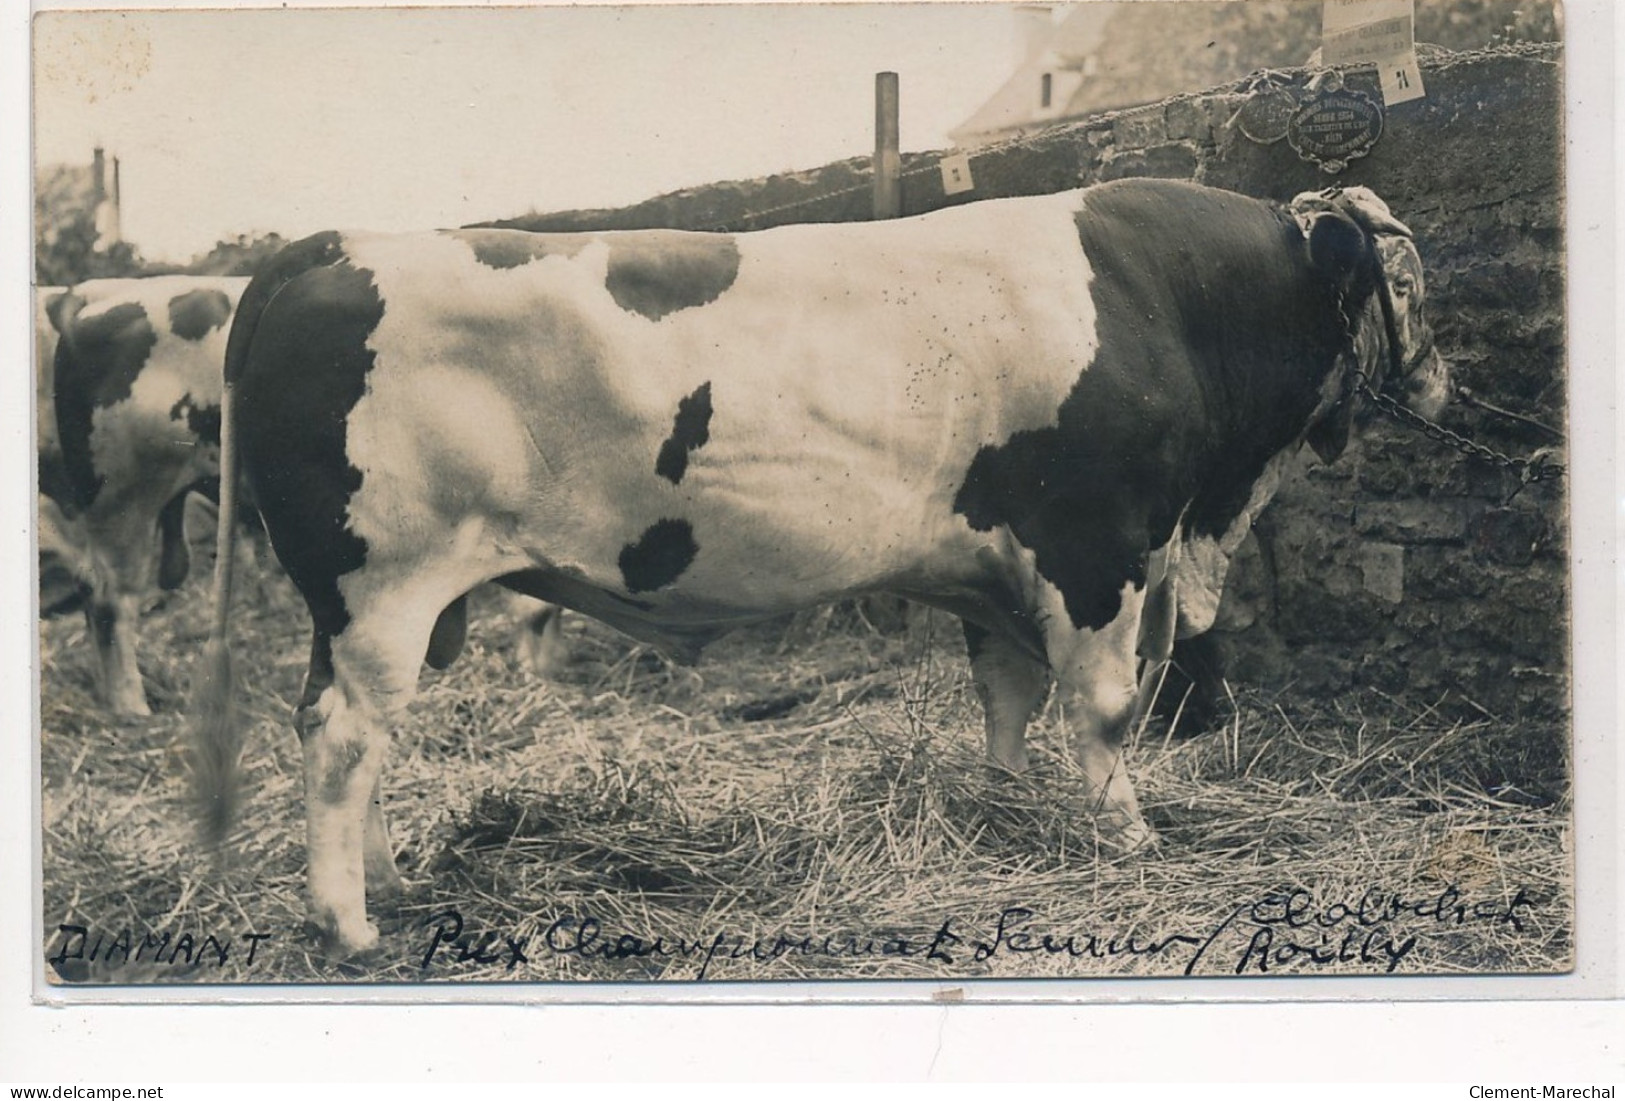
(230, 122)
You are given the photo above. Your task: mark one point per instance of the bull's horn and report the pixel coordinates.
(1371, 212)
(1360, 203)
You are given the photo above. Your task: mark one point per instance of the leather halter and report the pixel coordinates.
(1399, 365)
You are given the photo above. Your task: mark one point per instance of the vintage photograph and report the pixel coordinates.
(763, 493)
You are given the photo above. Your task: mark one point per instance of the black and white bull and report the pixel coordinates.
(137, 415)
(1052, 417)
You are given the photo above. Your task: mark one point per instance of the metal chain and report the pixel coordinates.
(1538, 468)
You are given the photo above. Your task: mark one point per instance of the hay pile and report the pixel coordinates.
(810, 802)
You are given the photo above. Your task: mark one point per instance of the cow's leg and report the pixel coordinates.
(1095, 670)
(541, 639)
(120, 563)
(112, 617)
(174, 556)
(1011, 684)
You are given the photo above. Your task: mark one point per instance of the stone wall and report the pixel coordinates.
(1404, 567)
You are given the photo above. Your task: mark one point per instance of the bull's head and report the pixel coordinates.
(1352, 234)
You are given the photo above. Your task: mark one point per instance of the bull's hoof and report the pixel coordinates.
(384, 883)
(1013, 770)
(352, 943)
(1133, 838)
(543, 656)
(128, 706)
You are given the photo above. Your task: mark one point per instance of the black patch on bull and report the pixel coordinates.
(196, 314)
(308, 316)
(689, 432)
(659, 557)
(508, 248)
(203, 421)
(98, 360)
(1214, 335)
(660, 273)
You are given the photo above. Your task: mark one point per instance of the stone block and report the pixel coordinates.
(1139, 128)
(1188, 120)
(1441, 573)
(1169, 162)
(1411, 521)
(1507, 536)
(1382, 571)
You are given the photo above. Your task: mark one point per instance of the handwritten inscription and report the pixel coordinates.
(1291, 931)
(76, 943)
(1276, 933)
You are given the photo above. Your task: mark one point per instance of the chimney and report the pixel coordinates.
(115, 226)
(1034, 24)
(104, 189)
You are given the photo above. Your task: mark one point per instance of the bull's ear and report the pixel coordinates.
(1330, 435)
(1336, 245)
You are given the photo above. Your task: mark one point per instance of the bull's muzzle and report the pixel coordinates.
(1425, 390)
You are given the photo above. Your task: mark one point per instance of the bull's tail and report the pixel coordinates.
(62, 311)
(217, 736)
(216, 731)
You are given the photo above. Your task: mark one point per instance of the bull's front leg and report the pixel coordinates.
(1095, 672)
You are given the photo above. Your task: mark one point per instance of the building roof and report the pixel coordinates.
(1104, 56)
(1073, 35)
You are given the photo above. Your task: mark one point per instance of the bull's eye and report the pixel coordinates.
(1405, 286)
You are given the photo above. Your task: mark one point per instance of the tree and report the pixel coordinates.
(242, 256)
(65, 251)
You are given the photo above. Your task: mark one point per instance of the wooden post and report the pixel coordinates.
(888, 153)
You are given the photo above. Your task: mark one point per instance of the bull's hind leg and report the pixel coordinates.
(1011, 684)
(360, 680)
